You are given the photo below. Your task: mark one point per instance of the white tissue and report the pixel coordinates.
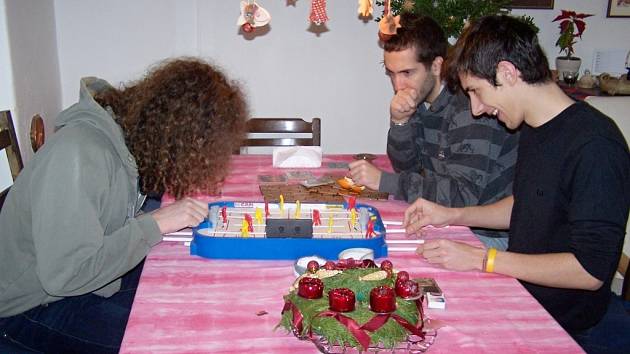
(297, 156)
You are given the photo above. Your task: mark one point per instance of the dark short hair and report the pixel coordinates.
(422, 33)
(493, 39)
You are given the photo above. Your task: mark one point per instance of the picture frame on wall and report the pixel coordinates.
(533, 4)
(618, 8)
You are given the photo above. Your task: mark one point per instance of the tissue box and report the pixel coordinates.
(297, 156)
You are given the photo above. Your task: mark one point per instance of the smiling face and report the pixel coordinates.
(405, 72)
(486, 98)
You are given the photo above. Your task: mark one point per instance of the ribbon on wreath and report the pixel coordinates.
(297, 315)
(352, 326)
(380, 319)
(357, 331)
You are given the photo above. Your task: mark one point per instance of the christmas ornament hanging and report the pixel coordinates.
(365, 8)
(318, 14)
(252, 16)
(388, 24)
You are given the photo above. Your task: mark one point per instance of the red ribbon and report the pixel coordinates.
(358, 332)
(380, 319)
(297, 315)
(352, 326)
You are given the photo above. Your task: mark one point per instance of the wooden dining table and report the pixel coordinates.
(189, 304)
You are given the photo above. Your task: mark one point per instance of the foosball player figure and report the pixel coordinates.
(316, 218)
(224, 216)
(369, 233)
(245, 228)
(352, 202)
(250, 223)
(259, 217)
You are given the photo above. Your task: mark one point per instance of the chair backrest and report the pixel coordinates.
(267, 132)
(10, 166)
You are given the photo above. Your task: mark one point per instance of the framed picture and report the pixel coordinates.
(618, 8)
(533, 4)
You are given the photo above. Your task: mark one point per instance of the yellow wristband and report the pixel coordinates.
(492, 253)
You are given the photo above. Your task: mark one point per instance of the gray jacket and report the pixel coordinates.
(69, 226)
(447, 156)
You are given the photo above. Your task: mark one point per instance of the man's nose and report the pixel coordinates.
(476, 106)
(398, 83)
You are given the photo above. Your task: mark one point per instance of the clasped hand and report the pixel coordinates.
(183, 213)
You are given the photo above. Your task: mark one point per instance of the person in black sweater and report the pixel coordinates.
(571, 197)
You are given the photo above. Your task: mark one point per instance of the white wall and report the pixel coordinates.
(601, 32)
(289, 71)
(34, 70)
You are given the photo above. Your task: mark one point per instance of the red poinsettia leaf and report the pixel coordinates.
(564, 25)
(583, 15)
(581, 26)
(563, 15)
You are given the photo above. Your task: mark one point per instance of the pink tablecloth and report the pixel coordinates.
(187, 304)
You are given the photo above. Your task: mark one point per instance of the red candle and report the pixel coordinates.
(382, 299)
(407, 289)
(341, 300)
(311, 288)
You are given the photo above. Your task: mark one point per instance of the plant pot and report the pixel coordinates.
(571, 64)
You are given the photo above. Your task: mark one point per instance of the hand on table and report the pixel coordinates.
(364, 173)
(423, 212)
(452, 255)
(403, 105)
(183, 213)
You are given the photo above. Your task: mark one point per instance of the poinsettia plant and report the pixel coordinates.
(572, 26)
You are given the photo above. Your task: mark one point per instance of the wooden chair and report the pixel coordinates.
(9, 143)
(285, 131)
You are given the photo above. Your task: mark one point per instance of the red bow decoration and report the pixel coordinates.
(357, 331)
(353, 327)
(297, 316)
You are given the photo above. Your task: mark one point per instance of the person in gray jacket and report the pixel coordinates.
(440, 152)
(70, 228)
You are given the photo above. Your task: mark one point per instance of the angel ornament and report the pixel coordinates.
(252, 16)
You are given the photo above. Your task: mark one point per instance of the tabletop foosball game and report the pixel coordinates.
(264, 230)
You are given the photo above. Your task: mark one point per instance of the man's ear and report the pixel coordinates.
(436, 66)
(507, 73)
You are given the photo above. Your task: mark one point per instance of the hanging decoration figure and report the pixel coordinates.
(318, 12)
(388, 24)
(365, 8)
(252, 16)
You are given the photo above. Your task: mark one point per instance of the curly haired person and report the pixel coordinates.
(71, 229)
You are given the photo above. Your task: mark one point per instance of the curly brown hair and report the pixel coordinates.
(181, 122)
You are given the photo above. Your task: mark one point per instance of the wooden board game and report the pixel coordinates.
(321, 194)
(243, 230)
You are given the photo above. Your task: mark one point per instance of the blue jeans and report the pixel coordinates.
(612, 334)
(79, 324)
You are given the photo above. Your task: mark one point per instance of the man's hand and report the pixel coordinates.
(403, 105)
(452, 255)
(364, 173)
(423, 212)
(183, 213)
